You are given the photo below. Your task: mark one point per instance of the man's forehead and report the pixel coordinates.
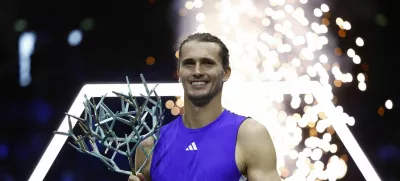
(198, 48)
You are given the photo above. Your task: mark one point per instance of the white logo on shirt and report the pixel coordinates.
(192, 147)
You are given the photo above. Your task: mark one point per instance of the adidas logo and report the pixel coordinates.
(192, 147)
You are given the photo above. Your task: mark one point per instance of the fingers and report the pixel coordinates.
(139, 177)
(133, 178)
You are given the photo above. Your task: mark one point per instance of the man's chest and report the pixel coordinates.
(200, 152)
(197, 157)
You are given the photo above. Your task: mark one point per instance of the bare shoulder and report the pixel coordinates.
(140, 156)
(252, 130)
(257, 151)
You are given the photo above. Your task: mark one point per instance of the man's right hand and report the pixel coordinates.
(139, 177)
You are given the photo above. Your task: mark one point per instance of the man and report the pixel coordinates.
(208, 142)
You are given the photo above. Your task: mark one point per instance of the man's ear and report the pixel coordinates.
(227, 74)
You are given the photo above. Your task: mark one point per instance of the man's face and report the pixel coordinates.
(201, 71)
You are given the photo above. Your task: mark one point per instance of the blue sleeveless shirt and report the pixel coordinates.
(203, 154)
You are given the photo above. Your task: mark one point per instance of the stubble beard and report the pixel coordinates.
(202, 100)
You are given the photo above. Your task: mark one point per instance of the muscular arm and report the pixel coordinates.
(140, 157)
(258, 152)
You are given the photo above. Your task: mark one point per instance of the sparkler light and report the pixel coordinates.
(287, 40)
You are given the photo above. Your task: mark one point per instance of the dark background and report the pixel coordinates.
(123, 34)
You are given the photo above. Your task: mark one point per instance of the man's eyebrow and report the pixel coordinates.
(208, 59)
(187, 59)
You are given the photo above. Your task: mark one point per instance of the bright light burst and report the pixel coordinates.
(285, 40)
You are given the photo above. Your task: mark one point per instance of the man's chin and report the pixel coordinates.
(200, 100)
(198, 96)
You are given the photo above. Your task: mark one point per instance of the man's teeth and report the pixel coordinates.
(198, 83)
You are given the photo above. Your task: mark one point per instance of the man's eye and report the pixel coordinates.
(188, 63)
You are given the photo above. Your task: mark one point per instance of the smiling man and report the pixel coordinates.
(208, 142)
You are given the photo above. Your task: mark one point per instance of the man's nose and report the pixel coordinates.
(198, 70)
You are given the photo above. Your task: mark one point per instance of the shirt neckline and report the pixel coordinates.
(186, 129)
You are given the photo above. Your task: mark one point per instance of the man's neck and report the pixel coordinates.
(197, 117)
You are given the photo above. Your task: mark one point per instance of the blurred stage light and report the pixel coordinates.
(41, 110)
(150, 60)
(381, 20)
(26, 47)
(360, 42)
(75, 37)
(389, 104)
(280, 40)
(20, 25)
(87, 24)
(264, 93)
(4, 150)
